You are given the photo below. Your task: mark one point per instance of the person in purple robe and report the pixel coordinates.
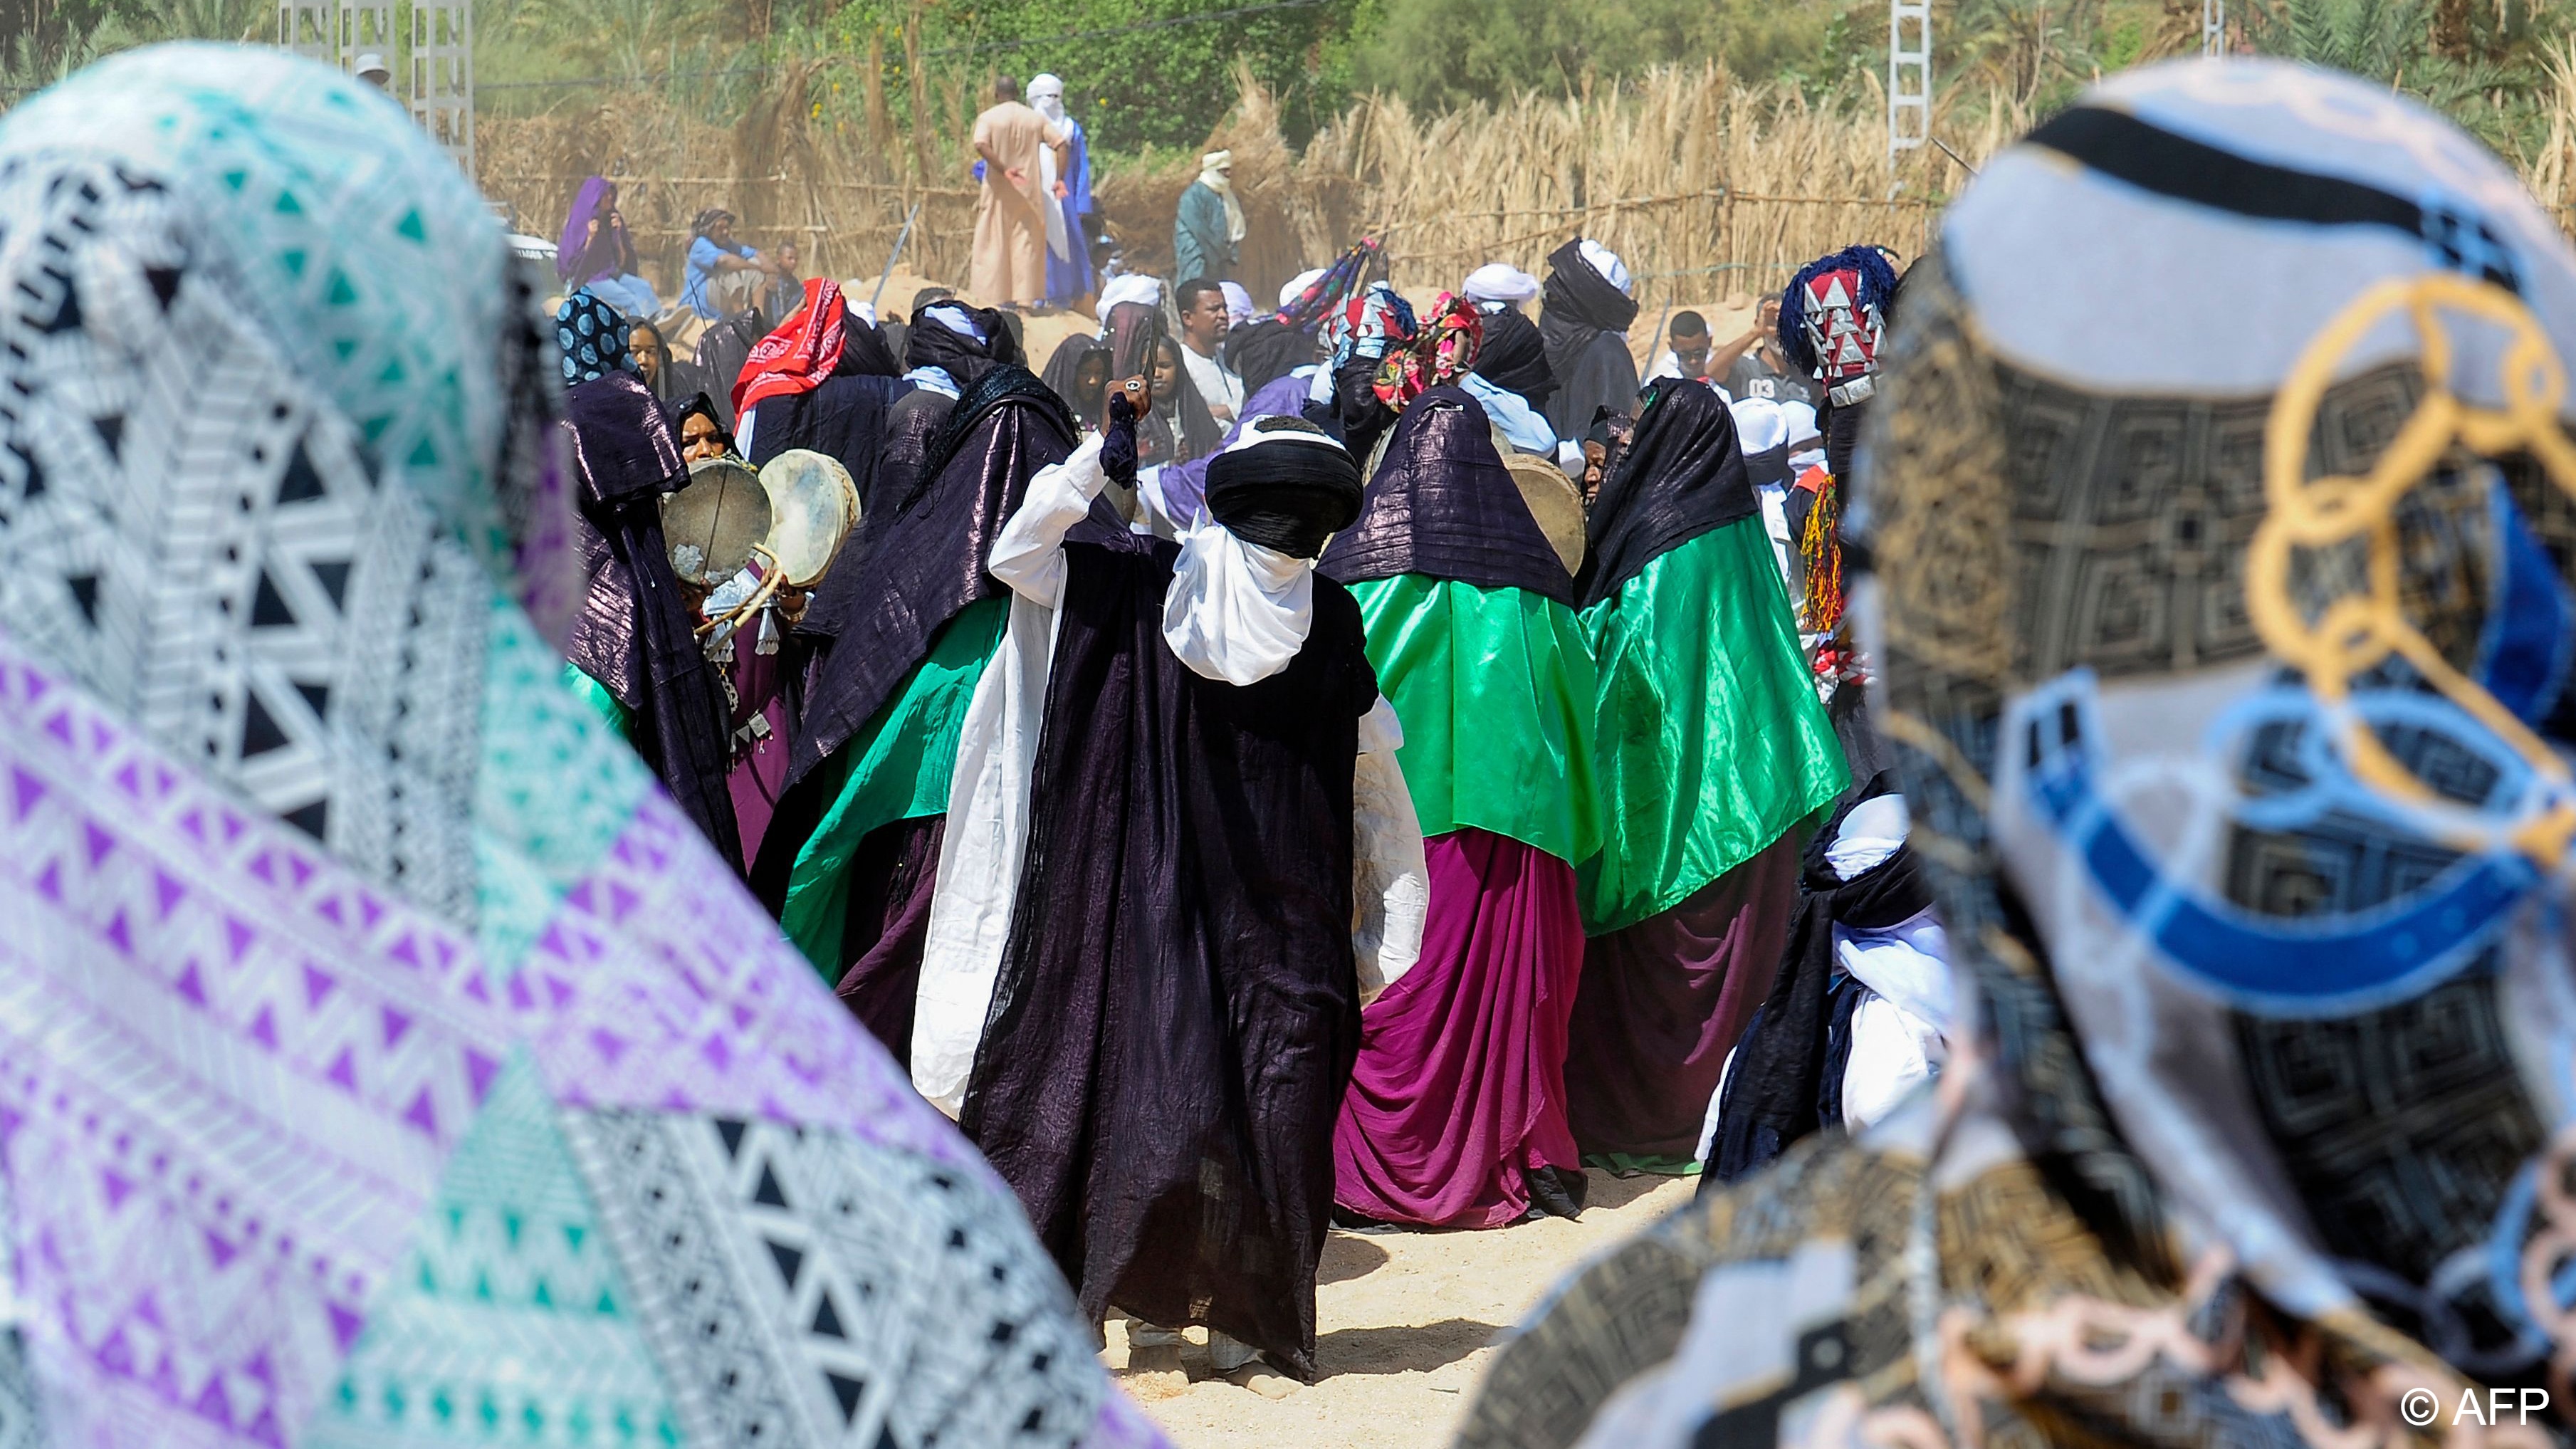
(1219, 862)
(596, 251)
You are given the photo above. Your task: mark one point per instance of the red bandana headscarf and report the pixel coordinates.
(804, 350)
(1442, 350)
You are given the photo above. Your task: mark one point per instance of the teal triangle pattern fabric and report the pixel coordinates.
(512, 1320)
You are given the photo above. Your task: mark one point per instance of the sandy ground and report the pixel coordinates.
(1406, 1323)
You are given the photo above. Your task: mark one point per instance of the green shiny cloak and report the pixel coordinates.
(897, 767)
(1495, 689)
(1709, 740)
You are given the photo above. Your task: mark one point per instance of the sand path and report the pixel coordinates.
(1407, 1323)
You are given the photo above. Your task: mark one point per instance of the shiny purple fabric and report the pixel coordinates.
(634, 632)
(891, 879)
(1443, 505)
(922, 557)
(1662, 1003)
(1460, 1083)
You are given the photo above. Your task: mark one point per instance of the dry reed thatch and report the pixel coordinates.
(1709, 187)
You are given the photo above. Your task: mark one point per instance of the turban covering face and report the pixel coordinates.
(591, 336)
(1285, 485)
(2225, 639)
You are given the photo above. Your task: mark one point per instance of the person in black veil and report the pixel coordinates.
(1585, 329)
(898, 638)
(825, 382)
(634, 635)
(1514, 357)
(722, 350)
(1079, 374)
(1178, 1004)
(1859, 890)
(948, 348)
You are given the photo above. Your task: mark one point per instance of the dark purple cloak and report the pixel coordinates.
(892, 874)
(1682, 474)
(1662, 1003)
(1442, 504)
(1785, 1080)
(924, 562)
(634, 633)
(845, 418)
(1178, 1005)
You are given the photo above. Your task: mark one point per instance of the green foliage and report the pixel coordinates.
(2496, 85)
(1137, 73)
(1444, 53)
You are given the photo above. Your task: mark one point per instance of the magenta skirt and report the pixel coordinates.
(1460, 1082)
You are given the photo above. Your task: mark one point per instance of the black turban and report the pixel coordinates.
(1285, 485)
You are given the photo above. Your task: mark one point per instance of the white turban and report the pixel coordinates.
(1046, 97)
(1500, 282)
(1238, 302)
(1802, 420)
(1607, 263)
(1297, 285)
(1129, 287)
(1759, 424)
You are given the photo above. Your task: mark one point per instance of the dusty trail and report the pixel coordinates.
(1406, 1325)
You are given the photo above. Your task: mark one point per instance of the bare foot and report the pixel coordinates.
(1264, 1380)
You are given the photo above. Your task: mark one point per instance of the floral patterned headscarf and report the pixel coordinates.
(1442, 350)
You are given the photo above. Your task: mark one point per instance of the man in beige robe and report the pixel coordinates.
(1010, 221)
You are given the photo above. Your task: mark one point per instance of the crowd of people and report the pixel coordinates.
(1347, 762)
(764, 897)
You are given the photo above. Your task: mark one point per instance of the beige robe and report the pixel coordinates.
(1010, 219)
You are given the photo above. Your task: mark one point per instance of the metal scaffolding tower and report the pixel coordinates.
(1909, 75)
(2213, 27)
(440, 90)
(442, 74)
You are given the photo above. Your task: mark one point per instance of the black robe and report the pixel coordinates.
(634, 633)
(1263, 352)
(1786, 1080)
(1514, 357)
(846, 418)
(1583, 325)
(1178, 1005)
(722, 350)
(919, 562)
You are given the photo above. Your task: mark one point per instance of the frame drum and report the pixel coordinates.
(714, 521)
(1554, 501)
(813, 509)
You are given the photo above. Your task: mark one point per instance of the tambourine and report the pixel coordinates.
(1553, 500)
(710, 526)
(813, 510)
